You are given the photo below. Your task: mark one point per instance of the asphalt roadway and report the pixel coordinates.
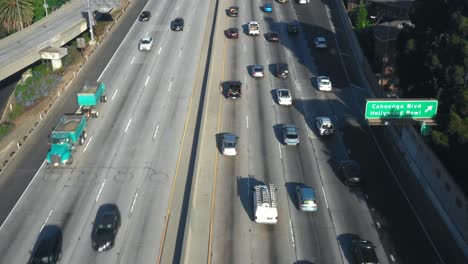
(135, 149)
(132, 150)
(298, 237)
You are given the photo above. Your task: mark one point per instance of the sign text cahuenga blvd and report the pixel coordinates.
(398, 108)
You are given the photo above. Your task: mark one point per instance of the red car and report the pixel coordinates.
(232, 33)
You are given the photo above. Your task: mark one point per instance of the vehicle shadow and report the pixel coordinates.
(274, 96)
(272, 69)
(291, 190)
(278, 133)
(48, 241)
(219, 138)
(245, 187)
(304, 262)
(345, 243)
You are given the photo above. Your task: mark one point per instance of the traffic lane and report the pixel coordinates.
(406, 234)
(26, 163)
(20, 231)
(314, 23)
(398, 223)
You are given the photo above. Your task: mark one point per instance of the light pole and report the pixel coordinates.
(90, 18)
(19, 14)
(45, 5)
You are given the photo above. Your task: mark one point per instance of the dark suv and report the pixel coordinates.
(177, 24)
(282, 70)
(48, 247)
(363, 251)
(293, 27)
(233, 89)
(350, 172)
(105, 227)
(145, 16)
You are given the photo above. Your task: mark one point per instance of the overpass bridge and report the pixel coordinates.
(22, 48)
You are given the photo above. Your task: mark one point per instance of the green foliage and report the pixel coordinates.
(433, 63)
(5, 128)
(13, 13)
(362, 19)
(38, 86)
(16, 111)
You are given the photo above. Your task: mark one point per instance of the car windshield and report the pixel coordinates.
(284, 93)
(258, 68)
(145, 41)
(324, 82)
(329, 126)
(291, 134)
(179, 20)
(229, 144)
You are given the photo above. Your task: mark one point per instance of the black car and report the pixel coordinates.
(177, 24)
(233, 89)
(273, 37)
(48, 247)
(293, 27)
(232, 33)
(363, 251)
(282, 70)
(350, 172)
(105, 227)
(233, 11)
(145, 16)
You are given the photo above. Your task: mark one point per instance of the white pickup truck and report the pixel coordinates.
(254, 28)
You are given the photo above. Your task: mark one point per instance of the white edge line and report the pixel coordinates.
(180, 53)
(156, 131)
(147, 79)
(47, 219)
(247, 121)
(89, 141)
(134, 200)
(132, 60)
(325, 196)
(292, 233)
(129, 121)
(170, 85)
(114, 94)
(100, 190)
(279, 148)
(160, 48)
(22, 195)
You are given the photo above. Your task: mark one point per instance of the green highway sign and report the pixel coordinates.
(401, 108)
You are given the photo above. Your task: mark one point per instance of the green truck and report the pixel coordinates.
(89, 97)
(69, 131)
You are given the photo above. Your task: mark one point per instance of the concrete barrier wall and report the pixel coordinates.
(438, 178)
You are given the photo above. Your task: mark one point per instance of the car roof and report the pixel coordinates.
(320, 38)
(147, 38)
(290, 128)
(325, 119)
(323, 78)
(283, 90)
(308, 193)
(228, 137)
(258, 66)
(253, 22)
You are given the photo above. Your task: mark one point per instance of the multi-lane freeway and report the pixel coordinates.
(154, 152)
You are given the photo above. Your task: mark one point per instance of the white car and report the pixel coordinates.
(320, 42)
(324, 83)
(284, 97)
(257, 71)
(228, 144)
(324, 126)
(302, 2)
(146, 43)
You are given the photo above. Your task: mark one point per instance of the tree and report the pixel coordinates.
(16, 14)
(362, 20)
(432, 62)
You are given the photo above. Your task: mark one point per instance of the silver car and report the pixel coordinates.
(306, 199)
(290, 135)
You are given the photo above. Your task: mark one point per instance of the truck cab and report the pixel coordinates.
(69, 131)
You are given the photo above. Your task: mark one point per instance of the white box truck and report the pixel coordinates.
(264, 199)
